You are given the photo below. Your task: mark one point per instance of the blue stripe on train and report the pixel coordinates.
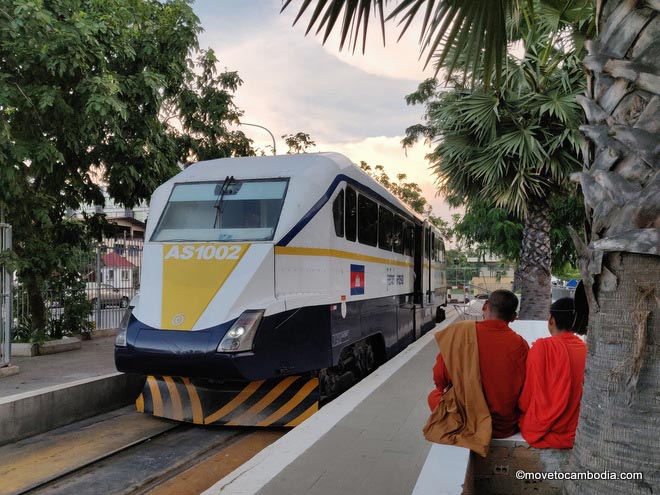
(286, 239)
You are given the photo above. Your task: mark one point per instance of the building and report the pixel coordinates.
(118, 271)
(493, 273)
(131, 222)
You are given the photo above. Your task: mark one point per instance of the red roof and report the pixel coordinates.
(116, 261)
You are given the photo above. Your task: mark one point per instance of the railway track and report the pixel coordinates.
(123, 453)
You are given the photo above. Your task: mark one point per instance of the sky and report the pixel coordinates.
(347, 102)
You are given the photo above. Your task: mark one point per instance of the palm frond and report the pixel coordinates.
(355, 18)
(479, 112)
(562, 106)
(475, 27)
(448, 27)
(523, 144)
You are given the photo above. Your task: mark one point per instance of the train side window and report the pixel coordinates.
(351, 213)
(367, 221)
(398, 234)
(432, 245)
(409, 240)
(427, 243)
(338, 214)
(385, 218)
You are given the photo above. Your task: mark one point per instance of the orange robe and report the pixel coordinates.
(502, 355)
(550, 401)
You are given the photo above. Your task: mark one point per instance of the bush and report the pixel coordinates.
(67, 311)
(73, 319)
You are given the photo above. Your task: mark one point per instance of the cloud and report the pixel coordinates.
(352, 104)
(292, 83)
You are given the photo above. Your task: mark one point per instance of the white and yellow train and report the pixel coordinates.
(269, 284)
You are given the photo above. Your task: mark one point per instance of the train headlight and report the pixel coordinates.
(120, 339)
(241, 334)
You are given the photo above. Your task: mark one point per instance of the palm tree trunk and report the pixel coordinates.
(619, 428)
(517, 280)
(536, 262)
(620, 409)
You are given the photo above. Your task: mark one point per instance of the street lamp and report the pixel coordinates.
(262, 127)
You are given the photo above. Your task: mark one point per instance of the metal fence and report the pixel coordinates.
(5, 299)
(108, 278)
(114, 281)
(461, 275)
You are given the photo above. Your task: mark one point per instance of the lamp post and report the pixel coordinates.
(265, 129)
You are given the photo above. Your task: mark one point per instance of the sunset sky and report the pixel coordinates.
(348, 103)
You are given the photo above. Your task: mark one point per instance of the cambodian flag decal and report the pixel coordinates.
(357, 280)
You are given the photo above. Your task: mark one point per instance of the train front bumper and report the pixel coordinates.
(189, 354)
(293, 342)
(280, 402)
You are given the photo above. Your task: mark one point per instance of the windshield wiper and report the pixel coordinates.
(219, 204)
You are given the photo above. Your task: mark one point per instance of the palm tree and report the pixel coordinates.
(620, 411)
(512, 148)
(620, 264)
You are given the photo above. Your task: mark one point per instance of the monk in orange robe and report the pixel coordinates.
(502, 355)
(550, 401)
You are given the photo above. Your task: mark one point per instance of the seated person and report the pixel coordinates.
(502, 354)
(550, 401)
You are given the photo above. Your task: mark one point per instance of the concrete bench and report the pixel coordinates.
(452, 470)
(496, 474)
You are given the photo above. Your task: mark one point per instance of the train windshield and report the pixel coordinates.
(229, 210)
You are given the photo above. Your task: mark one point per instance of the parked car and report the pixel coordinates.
(109, 295)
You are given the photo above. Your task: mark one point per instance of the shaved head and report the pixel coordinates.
(503, 305)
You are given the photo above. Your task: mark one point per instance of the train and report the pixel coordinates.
(269, 285)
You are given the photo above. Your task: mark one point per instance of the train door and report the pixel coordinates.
(430, 239)
(418, 265)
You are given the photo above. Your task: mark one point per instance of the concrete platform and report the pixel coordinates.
(57, 389)
(94, 358)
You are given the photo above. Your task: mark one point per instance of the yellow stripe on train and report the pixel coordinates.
(281, 402)
(192, 275)
(335, 253)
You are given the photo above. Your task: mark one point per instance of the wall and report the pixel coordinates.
(482, 284)
(45, 409)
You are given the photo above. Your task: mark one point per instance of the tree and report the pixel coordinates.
(618, 423)
(299, 142)
(500, 232)
(92, 93)
(199, 116)
(620, 257)
(408, 192)
(513, 149)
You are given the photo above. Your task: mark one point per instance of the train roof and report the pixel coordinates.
(319, 170)
(313, 177)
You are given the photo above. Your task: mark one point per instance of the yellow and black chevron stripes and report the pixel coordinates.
(281, 402)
